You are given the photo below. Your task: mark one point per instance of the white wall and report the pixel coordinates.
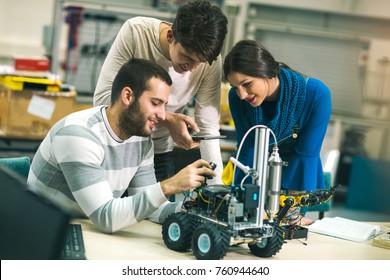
(21, 26)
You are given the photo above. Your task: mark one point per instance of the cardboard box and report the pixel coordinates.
(4, 108)
(30, 114)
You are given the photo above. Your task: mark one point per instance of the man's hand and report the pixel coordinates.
(187, 179)
(178, 125)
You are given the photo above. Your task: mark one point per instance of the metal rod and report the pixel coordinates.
(260, 163)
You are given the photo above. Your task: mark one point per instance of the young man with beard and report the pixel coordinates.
(90, 158)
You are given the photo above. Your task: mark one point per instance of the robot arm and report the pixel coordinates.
(310, 198)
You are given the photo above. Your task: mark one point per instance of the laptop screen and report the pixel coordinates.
(31, 226)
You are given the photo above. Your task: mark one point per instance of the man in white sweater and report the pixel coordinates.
(90, 158)
(189, 49)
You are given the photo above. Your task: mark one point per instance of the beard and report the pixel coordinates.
(132, 121)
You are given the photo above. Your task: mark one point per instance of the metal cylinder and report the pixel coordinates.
(260, 163)
(274, 184)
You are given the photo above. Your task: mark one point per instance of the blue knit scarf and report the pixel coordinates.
(289, 107)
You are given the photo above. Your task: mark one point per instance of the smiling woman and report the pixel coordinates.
(297, 108)
(253, 90)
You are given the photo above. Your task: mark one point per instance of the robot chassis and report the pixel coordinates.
(221, 216)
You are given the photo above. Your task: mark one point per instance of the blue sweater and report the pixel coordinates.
(304, 171)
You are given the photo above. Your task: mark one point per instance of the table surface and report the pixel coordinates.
(143, 241)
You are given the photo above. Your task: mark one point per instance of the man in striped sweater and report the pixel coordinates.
(90, 158)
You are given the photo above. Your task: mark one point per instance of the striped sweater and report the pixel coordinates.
(81, 163)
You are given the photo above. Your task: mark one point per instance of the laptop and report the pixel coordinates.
(32, 227)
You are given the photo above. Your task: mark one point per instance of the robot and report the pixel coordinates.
(216, 217)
